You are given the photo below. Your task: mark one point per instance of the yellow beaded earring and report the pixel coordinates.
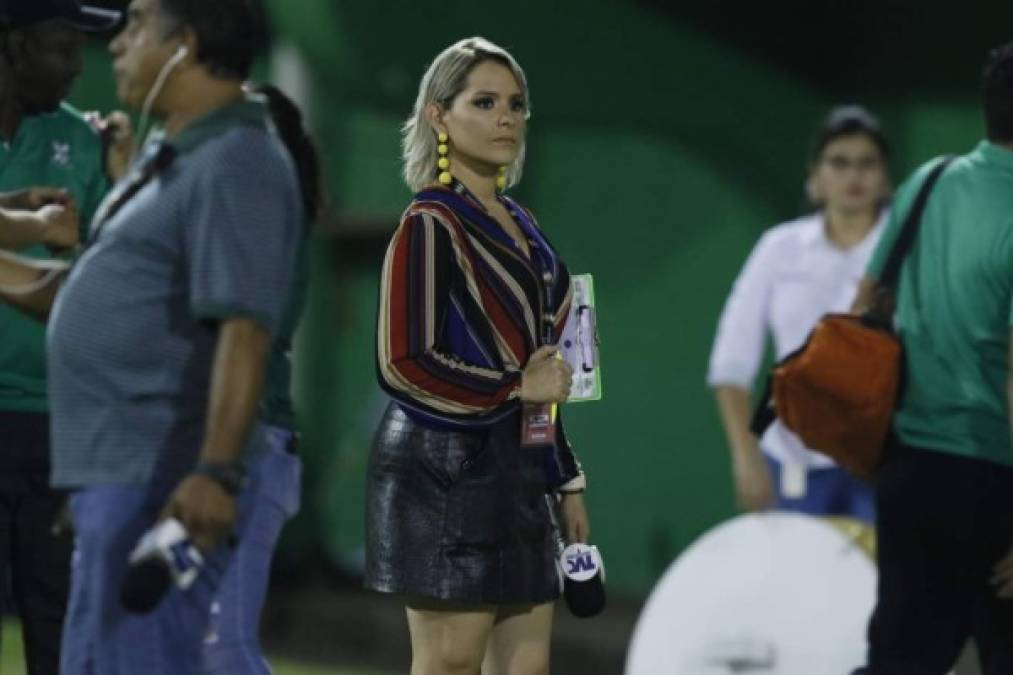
(501, 179)
(443, 163)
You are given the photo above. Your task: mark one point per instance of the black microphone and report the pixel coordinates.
(144, 585)
(164, 556)
(583, 575)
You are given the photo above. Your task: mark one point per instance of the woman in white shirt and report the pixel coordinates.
(797, 272)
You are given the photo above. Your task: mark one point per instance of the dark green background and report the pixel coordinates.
(663, 140)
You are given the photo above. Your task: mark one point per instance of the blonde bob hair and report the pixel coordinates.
(447, 77)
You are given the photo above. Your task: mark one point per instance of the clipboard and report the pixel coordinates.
(579, 342)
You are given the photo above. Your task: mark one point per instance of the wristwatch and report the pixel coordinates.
(232, 477)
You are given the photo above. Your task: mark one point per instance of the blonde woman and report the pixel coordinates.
(473, 298)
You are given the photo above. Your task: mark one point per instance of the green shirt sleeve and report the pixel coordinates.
(1006, 265)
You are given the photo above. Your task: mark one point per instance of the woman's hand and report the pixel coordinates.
(754, 486)
(576, 526)
(546, 378)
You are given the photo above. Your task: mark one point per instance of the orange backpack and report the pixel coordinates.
(838, 392)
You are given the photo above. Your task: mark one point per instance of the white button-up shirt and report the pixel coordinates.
(794, 275)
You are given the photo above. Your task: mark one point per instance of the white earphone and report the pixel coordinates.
(163, 75)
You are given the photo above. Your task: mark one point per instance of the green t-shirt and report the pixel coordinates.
(954, 308)
(57, 149)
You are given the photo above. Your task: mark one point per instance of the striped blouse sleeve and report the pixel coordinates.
(415, 298)
(563, 469)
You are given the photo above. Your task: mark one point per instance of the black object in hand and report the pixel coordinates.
(164, 556)
(583, 580)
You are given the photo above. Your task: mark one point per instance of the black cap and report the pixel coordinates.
(144, 585)
(584, 599)
(21, 13)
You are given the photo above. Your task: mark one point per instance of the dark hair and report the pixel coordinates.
(847, 120)
(230, 33)
(288, 121)
(997, 94)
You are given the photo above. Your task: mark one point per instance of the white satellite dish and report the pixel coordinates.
(773, 593)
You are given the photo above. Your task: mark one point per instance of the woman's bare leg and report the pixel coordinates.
(519, 643)
(449, 639)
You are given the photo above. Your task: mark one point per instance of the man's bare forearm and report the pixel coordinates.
(237, 383)
(20, 229)
(29, 285)
(16, 200)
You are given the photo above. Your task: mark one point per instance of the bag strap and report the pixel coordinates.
(764, 414)
(157, 158)
(901, 247)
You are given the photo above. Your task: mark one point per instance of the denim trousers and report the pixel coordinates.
(211, 627)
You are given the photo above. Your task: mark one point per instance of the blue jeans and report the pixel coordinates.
(830, 491)
(232, 642)
(209, 628)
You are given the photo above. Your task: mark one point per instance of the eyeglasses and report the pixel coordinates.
(840, 163)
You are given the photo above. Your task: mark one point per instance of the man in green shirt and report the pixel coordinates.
(43, 142)
(945, 497)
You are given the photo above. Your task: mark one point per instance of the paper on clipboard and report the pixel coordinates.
(579, 342)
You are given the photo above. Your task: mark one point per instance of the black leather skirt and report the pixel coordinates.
(459, 516)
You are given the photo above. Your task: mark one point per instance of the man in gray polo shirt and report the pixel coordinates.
(158, 337)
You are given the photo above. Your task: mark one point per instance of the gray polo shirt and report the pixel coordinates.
(132, 335)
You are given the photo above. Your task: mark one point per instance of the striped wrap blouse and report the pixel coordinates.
(461, 311)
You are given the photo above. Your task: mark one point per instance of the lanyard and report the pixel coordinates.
(546, 264)
(157, 157)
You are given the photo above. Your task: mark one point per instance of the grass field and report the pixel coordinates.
(12, 661)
